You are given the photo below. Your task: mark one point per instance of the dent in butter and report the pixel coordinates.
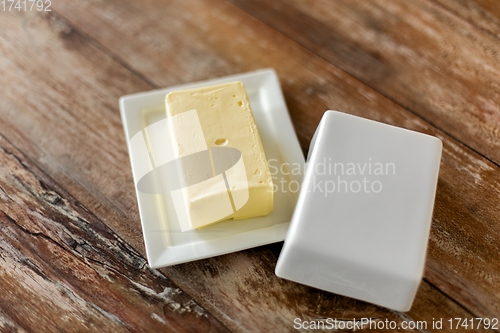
(200, 120)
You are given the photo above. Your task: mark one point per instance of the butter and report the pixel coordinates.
(224, 168)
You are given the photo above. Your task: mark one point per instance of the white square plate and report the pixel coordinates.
(165, 244)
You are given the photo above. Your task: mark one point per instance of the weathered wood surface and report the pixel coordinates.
(62, 74)
(417, 53)
(63, 269)
(484, 14)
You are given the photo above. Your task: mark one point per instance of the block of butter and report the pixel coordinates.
(220, 158)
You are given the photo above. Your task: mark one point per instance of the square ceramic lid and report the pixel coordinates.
(363, 216)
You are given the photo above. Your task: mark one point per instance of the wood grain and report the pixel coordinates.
(417, 53)
(68, 125)
(311, 85)
(484, 14)
(62, 269)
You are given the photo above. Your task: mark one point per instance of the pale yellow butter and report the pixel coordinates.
(210, 120)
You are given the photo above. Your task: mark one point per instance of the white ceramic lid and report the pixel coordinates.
(363, 216)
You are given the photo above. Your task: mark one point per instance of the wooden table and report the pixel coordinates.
(71, 247)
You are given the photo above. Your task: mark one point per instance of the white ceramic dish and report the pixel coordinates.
(363, 217)
(165, 244)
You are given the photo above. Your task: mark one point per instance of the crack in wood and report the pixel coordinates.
(105, 245)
